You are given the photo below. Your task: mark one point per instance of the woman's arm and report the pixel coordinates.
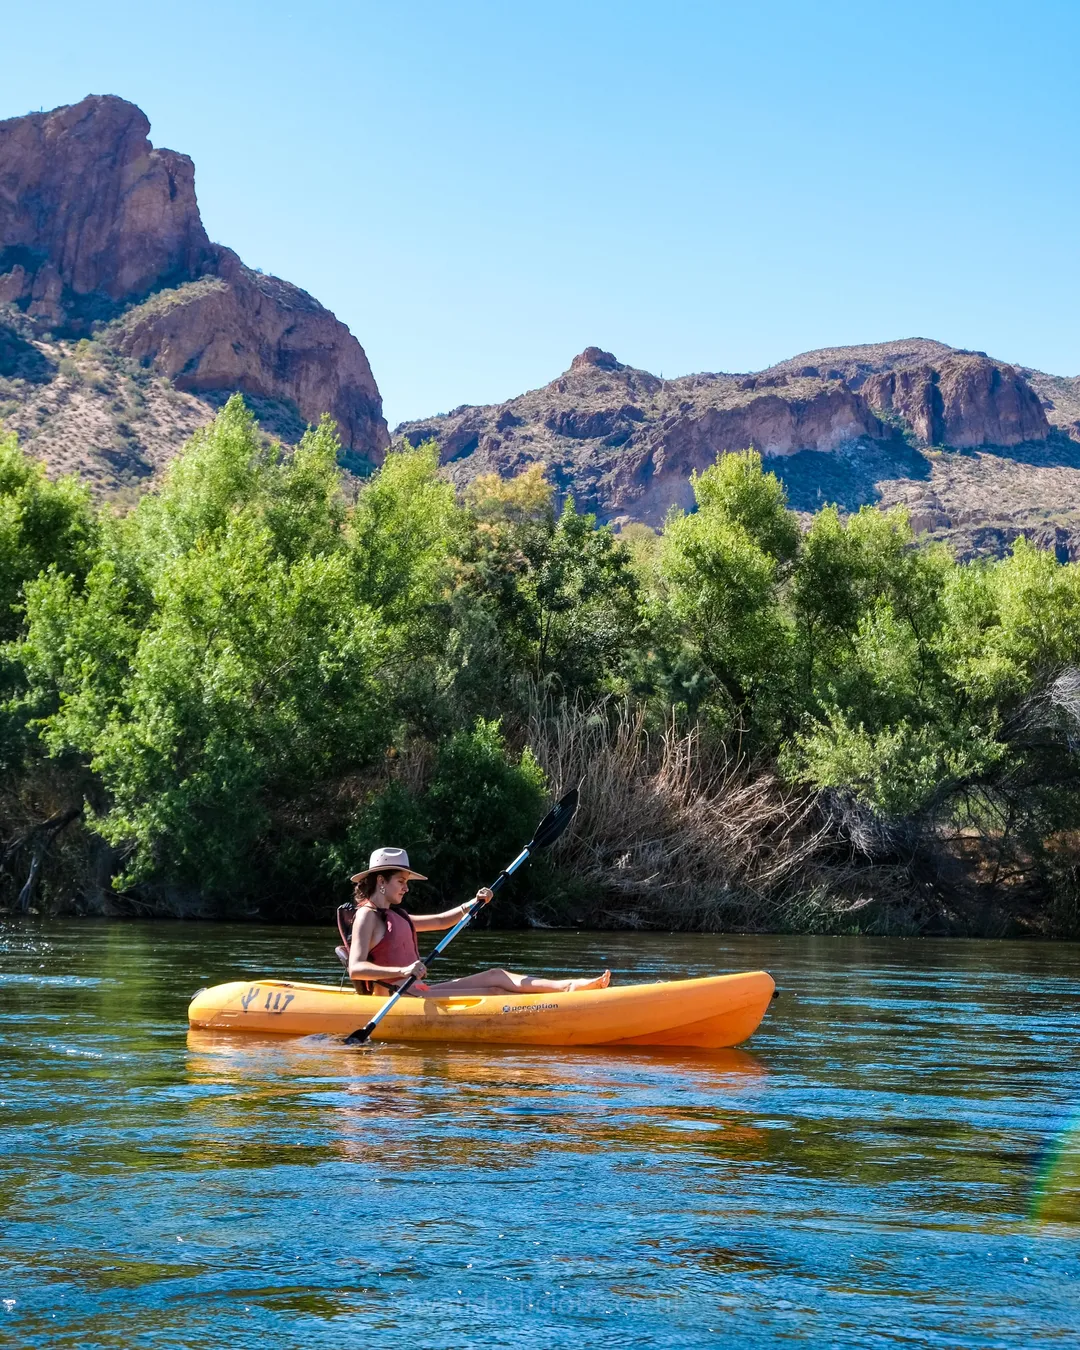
(360, 968)
(434, 923)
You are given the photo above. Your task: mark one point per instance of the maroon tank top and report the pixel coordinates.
(398, 946)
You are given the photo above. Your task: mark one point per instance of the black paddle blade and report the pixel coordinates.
(555, 821)
(360, 1037)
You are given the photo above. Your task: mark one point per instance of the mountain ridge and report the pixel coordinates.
(123, 328)
(913, 421)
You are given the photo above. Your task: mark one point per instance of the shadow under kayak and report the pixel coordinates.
(710, 1013)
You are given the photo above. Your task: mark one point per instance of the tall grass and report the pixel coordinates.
(674, 832)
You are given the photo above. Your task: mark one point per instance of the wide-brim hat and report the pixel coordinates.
(389, 860)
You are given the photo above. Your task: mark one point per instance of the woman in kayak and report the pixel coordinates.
(383, 952)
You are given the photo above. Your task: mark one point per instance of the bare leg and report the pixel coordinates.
(506, 982)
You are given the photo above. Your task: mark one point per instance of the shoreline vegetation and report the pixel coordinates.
(215, 704)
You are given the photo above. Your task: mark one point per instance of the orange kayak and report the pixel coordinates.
(710, 1013)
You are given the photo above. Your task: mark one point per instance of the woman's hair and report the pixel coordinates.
(366, 885)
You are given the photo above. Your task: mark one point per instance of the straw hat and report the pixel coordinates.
(389, 860)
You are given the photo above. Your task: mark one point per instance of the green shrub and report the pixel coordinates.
(479, 806)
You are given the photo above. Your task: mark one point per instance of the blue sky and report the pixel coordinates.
(480, 190)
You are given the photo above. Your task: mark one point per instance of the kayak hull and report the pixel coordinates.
(714, 1012)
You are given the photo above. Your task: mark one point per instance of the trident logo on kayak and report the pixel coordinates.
(274, 1001)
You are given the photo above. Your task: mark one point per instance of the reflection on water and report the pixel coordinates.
(407, 1107)
(891, 1160)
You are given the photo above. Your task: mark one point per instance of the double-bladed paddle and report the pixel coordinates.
(545, 834)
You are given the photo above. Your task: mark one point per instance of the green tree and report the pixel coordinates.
(937, 700)
(218, 659)
(402, 537)
(561, 590)
(402, 532)
(725, 568)
(42, 524)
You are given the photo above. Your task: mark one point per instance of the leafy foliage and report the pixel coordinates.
(262, 681)
(726, 567)
(561, 593)
(42, 524)
(479, 806)
(217, 657)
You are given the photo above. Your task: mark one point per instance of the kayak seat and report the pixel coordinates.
(345, 917)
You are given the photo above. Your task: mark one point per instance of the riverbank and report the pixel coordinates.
(565, 903)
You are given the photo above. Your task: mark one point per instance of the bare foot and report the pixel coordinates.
(601, 982)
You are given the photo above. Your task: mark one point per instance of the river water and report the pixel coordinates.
(889, 1162)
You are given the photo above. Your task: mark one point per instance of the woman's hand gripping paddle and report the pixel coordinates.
(545, 834)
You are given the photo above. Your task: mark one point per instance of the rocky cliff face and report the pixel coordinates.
(1060, 398)
(100, 234)
(625, 443)
(241, 330)
(91, 215)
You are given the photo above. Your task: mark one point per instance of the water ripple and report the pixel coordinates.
(893, 1160)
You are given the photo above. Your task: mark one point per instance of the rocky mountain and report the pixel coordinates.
(979, 450)
(122, 327)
